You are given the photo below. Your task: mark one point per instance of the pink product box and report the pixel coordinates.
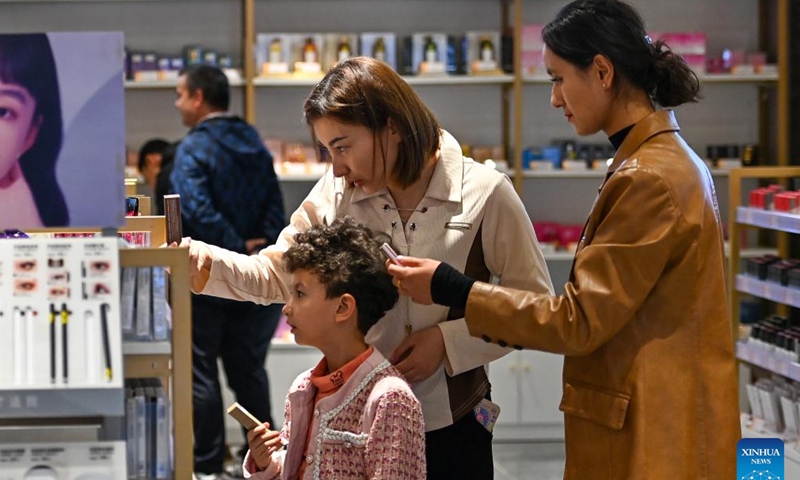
(532, 63)
(684, 43)
(532, 37)
(531, 51)
(696, 62)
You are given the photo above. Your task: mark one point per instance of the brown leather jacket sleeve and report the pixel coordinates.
(632, 232)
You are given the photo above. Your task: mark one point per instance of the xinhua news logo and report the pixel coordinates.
(760, 459)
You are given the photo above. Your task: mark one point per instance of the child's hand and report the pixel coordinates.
(263, 442)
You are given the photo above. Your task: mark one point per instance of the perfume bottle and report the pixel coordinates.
(310, 51)
(275, 51)
(379, 49)
(431, 52)
(487, 49)
(343, 52)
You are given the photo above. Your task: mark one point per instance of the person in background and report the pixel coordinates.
(163, 185)
(150, 159)
(353, 414)
(30, 134)
(230, 196)
(395, 171)
(650, 381)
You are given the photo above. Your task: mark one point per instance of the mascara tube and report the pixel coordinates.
(53, 370)
(106, 346)
(65, 341)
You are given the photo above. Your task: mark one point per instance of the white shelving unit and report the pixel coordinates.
(768, 290)
(754, 354)
(767, 359)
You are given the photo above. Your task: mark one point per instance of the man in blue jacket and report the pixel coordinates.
(230, 197)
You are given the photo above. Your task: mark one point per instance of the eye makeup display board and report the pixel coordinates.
(61, 346)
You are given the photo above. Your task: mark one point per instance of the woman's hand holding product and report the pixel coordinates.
(413, 278)
(263, 442)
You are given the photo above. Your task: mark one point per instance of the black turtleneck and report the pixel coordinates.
(619, 137)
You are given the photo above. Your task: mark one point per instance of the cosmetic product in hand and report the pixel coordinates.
(172, 214)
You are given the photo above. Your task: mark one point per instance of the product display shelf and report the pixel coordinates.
(146, 348)
(563, 256)
(767, 359)
(172, 362)
(756, 217)
(169, 84)
(558, 173)
(280, 81)
(768, 290)
(744, 217)
(703, 77)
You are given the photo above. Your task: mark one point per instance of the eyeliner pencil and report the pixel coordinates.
(53, 313)
(106, 347)
(64, 340)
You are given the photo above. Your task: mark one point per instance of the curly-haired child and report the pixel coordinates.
(353, 415)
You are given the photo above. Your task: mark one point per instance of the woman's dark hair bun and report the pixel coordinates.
(674, 82)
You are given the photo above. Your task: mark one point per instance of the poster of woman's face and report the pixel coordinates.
(62, 130)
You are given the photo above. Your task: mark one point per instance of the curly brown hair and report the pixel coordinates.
(346, 258)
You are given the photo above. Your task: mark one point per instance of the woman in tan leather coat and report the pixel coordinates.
(650, 387)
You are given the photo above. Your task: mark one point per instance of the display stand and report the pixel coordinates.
(171, 362)
(60, 357)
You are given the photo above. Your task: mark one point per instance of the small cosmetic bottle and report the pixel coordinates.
(487, 50)
(275, 51)
(343, 52)
(431, 52)
(310, 51)
(379, 49)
